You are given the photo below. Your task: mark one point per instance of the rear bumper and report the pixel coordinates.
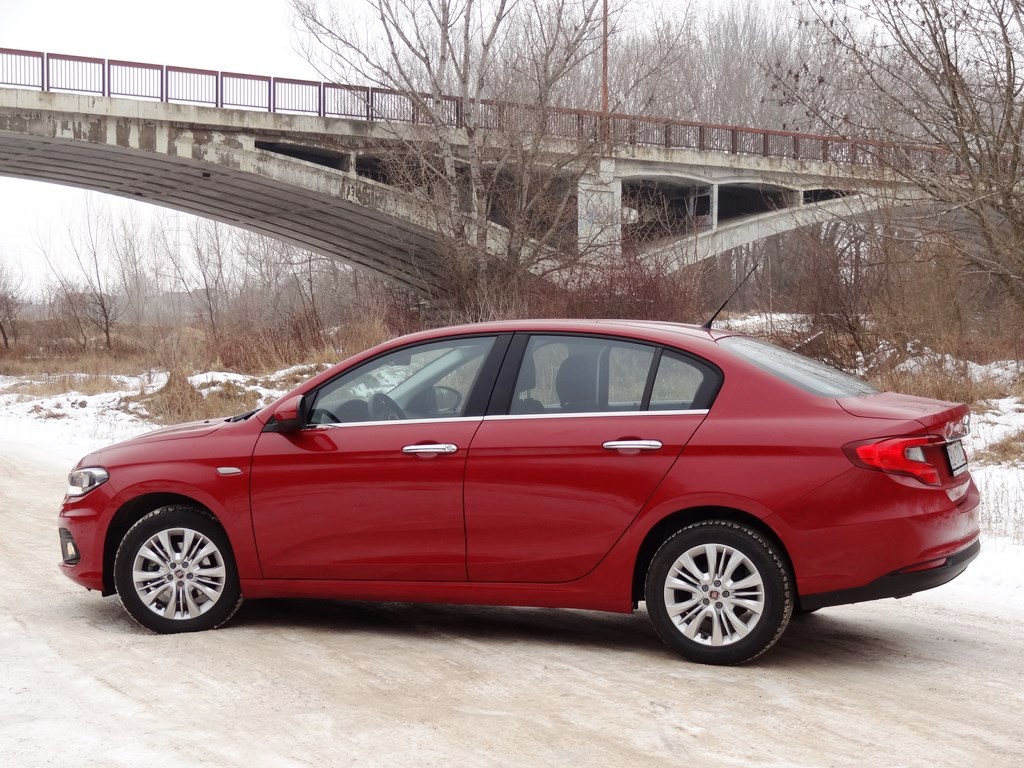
(898, 584)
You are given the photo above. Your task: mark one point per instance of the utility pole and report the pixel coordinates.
(606, 134)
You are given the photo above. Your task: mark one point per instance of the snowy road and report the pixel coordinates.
(937, 679)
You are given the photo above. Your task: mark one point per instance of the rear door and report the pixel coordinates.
(587, 429)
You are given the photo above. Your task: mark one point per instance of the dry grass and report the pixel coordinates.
(178, 401)
(299, 375)
(1009, 450)
(940, 385)
(90, 363)
(61, 384)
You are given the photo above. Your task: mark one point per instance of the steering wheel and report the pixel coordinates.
(383, 408)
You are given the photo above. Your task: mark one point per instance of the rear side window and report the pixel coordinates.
(803, 372)
(579, 374)
(584, 374)
(682, 384)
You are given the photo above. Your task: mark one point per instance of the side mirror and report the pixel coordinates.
(288, 415)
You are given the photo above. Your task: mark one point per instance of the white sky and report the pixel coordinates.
(251, 36)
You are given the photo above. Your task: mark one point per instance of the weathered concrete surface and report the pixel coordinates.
(218, 163)
(118, 146)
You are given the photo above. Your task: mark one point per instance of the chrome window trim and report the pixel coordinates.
(595, 414)
(394, 422)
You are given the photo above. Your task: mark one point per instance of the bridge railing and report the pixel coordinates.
(183, 85)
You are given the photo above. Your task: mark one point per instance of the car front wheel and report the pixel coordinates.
(718, 592)
(175, 572)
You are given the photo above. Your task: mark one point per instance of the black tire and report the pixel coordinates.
(177, 594)
(705, 613)
(801, 613)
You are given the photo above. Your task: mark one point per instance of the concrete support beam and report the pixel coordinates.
(599, 209)
(714, 207)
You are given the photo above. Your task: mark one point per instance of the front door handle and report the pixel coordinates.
(431, 449)
(632, 446)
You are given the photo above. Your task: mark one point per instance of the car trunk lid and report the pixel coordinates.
(949, 420)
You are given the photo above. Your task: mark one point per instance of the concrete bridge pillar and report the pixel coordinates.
(599, 209)
(714, 207)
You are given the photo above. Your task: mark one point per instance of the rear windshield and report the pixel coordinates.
(810, 375)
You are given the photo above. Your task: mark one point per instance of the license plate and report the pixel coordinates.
(957, 457)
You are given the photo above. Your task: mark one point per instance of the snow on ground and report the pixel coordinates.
(1003, 372)
(72, 424)
(219, 381)
(933, 679)
(993, 420)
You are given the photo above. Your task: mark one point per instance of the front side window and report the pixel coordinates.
(428, 381)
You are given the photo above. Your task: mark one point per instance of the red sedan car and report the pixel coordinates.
(724, 481)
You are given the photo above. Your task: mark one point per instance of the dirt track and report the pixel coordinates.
(937, 679)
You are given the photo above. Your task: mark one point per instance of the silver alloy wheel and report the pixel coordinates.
(179, 573)
(714, 594)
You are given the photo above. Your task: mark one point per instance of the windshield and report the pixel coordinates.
(810, 375)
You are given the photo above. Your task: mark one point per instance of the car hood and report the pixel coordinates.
(891, 405)
(177, 432)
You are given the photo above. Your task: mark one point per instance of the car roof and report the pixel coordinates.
(654, 330)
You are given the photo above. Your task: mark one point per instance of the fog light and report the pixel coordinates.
(68, 548)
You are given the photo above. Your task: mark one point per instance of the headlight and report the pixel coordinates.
(83, 480)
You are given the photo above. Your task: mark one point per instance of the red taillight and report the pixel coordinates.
(901, 456)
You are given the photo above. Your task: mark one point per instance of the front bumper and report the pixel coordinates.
(903, 582)
(82, 523)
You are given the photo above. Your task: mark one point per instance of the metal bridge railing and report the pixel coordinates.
(183, 85)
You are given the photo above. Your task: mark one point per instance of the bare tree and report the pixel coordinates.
(937, 84)
(12, 301)
(86, 291)
(482, 79)
(206, 271)
(132, 265)
(67, 307)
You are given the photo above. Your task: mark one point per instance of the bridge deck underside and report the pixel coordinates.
(309, 219)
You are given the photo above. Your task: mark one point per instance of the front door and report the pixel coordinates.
(372, 487)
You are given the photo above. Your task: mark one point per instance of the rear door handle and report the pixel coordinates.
(431, 449)
(632, 445)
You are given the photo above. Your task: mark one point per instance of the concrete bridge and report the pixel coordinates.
(296, 160)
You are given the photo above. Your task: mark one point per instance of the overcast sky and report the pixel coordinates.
(252, 36)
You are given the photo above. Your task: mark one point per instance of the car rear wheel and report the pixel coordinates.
(718, 592)
(175, 572)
